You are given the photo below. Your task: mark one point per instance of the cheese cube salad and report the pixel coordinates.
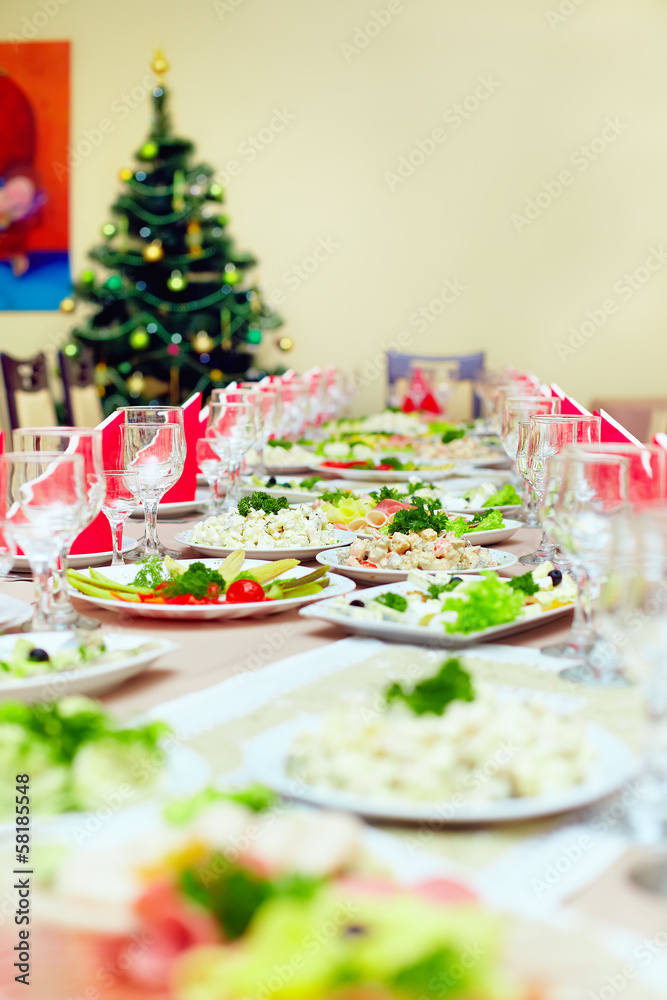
(294, 527)
(425, 550)
(487, 749)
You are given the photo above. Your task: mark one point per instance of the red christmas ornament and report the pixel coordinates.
(174, 350)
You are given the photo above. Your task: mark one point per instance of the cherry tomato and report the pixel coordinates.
(244, 592)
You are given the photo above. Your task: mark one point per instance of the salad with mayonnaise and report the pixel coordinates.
(263, 522)
(433, 741)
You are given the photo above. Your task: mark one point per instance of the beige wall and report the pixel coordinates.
(556, 71)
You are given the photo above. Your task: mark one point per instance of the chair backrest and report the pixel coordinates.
(29, 399)
(462, 405)
(83, 406)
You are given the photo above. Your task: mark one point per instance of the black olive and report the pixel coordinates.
(556, 576)
(357, 604)
(38, 655)
(271, 481)
(457, 578)
(354, 929)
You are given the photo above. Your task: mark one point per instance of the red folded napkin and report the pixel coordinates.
(97, 536)
(660, 439)
(184, 489)
(568, 406)
(611, 432)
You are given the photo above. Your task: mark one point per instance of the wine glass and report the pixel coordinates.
(633, 615)
(156, 453)
(45, 504)
(122, 497)
(216, 469)
(87, 442)
(592, 492)
(548, 435)
(232, 431)
(517, 409)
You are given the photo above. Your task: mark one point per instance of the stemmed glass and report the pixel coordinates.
(86, 442)
(232, 431)
(122, 496)
(45, 503)
(517, 409)
(156, 453)
(633, 615)
(548, 435)
(592, 491)
(215, 469)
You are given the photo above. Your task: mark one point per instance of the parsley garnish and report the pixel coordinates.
(394, 601)
(524, 583)
(386, 493)
(424, 514)
(195, 580)
(279, 443)
(413, 487)
(451, 683)
(307, 484)
(151, 572)
(335, 496)
(261, 501)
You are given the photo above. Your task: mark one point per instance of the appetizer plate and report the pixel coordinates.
(421, 635)
(21, 563)
(13, 612)
(307, 552)
(508, 508)
(287, 470)
(476, 537)
(363, 574)
(267, 758)
(387, 476)
(209, 612)
(91, 680)
(181, 508)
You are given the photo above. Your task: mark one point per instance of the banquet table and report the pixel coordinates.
(208, 654)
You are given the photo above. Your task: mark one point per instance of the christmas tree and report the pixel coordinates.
(176, 314)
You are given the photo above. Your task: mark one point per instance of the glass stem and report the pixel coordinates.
(529, 512)
(150, 512)
(41, 618)
(117, 538)
(61, 607)
(582, 628)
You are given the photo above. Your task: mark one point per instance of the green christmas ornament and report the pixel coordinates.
(114, 283)
(71, 350)
(216, 191)
(139, 339)
(87, 277)
(108, 230)
(254, 336)
(148, 151)
(176, 282)
(125, 367)
(232, 276)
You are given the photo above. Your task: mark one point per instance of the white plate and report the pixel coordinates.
(13, 612)
(309, 552)
(499, 461)
(476, 537)
(291, 493)
(267, 756)
(208, 612)
(336, 560)
(179, 509)
(386, 475)
(508, 508)
(21, 563)
(287, 470)
(421, 635)
(94, 679)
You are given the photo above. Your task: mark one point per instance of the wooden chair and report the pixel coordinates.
(27, 390)
(83, 407)
(464, 369)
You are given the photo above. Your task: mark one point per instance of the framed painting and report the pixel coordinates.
(34, 196)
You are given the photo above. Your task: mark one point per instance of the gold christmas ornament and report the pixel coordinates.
(153, 252)
(67, 305)
(159, 65)
(203, 343)
(125, 173)
(216, 375)
(285, 343)
(193, 238)
(135, 384)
